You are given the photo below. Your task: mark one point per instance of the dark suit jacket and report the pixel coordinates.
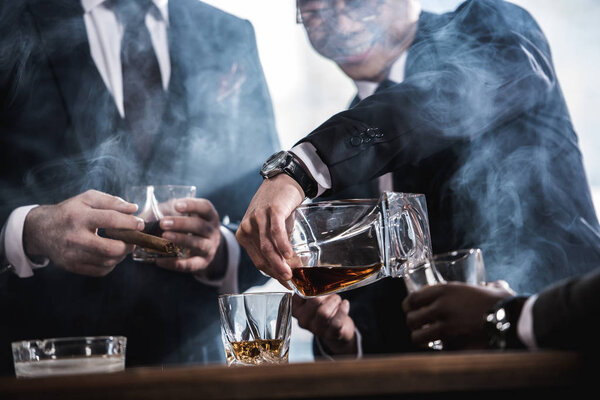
(565, 316)
(480, 126)
(60, 134)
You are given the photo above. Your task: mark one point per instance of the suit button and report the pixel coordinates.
(356, 141)
(372, 132)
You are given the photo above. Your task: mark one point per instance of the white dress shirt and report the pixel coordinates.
(105, 32)
(525, 324)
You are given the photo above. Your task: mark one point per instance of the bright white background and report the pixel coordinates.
(306, 89)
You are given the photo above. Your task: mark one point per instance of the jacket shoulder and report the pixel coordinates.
(213, 19)
(494, 15)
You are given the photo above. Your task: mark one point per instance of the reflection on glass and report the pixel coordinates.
(256, 327)
(69, 356)
(421, 275)
(344, 244)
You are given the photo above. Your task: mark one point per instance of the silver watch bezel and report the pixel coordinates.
(274, 165)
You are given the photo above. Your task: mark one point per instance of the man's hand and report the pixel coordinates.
(199, 232)
(263, 231)
(66, 233)
(327, 318)
(453, 312)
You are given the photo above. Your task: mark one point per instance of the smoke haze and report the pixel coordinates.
(61, 134)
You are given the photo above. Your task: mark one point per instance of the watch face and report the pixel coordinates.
(274, 165)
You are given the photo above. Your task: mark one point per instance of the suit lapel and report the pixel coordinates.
(89, 105)
(193, 59)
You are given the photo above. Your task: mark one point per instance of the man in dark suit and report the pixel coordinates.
(99, 95)
(476, 122)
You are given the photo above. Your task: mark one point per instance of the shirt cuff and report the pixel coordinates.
(359, 350)
(525, 324)
(307, 153)
(13, 244)
(229, 282)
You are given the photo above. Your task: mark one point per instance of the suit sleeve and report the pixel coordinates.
(15, 145)
(16, 48)
(475, 73)
(566, 315)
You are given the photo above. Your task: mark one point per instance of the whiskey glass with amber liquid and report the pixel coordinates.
(344, 244)
(256, 327)
(154, 203)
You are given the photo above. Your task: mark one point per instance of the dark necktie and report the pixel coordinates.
(382, 86)
(143, 95)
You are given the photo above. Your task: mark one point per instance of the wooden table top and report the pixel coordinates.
(398, 376)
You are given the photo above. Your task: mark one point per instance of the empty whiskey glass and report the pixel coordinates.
(256, 327)
(417, 276)
(464, 265)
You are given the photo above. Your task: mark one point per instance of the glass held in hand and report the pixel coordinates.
(418, 276)
(344, 244)
(256, 327)
(155, 202)
(464, 265)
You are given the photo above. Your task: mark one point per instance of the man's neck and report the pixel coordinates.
(394, 73)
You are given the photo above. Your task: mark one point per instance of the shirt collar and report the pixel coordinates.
(367, 88)
(161, 5)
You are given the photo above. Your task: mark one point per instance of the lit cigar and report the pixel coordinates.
(148, 242)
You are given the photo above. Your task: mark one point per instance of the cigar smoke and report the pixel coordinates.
(511, 185)
(94, 150)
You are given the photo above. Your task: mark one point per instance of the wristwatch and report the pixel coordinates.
(285, 162)
(501, 323)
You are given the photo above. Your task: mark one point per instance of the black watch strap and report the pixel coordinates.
(501, 323)
(285, 162)
(300, 175)
(5, 267)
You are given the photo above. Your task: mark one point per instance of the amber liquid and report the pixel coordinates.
(256, 352)
(315, 281)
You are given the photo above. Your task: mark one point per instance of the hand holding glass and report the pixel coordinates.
(464, 265)
(154, 203)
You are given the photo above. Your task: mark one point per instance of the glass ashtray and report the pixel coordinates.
(69, 356)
